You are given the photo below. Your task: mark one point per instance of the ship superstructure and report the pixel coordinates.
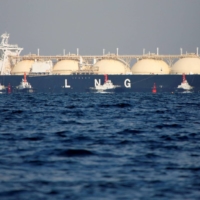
(7, 50)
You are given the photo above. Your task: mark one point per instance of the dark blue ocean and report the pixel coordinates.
(100, 146)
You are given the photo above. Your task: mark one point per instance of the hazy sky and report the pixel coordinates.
(94, 25)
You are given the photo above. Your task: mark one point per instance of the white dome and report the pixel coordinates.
(150, 66)
(65, 67)
(186, 66)
(111, 66)
(22, 67)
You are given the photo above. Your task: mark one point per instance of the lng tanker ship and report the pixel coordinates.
(104, 73)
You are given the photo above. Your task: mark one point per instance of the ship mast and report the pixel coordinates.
(7, 50)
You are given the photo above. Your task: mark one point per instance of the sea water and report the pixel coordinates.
(100, 146)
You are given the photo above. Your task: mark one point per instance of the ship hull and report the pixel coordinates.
(24, 90)
(84, 83)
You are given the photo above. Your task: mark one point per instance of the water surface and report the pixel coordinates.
(100, 146)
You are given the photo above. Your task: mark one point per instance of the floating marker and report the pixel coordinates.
(9, 88)
(154, 89)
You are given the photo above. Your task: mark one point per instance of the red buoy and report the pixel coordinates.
(9, 88)
(106, 78)
(154, 89)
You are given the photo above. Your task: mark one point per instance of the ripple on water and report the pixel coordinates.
(99, 146)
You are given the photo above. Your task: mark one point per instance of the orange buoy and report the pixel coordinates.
(154, 89)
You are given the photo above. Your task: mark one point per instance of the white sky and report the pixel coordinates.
(94, 25)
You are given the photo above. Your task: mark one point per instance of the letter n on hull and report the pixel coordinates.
(96, 82)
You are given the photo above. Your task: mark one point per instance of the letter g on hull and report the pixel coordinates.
(127, 83)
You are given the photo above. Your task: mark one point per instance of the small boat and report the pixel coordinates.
(2, 89)
(184, 86)
(106, 87)
(25, 86)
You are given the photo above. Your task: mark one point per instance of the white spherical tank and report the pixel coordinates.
(66, 67)
(186, 66)
(22, 67)
(112, 66)
(150, 66)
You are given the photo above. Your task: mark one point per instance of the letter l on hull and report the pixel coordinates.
(66, 86)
